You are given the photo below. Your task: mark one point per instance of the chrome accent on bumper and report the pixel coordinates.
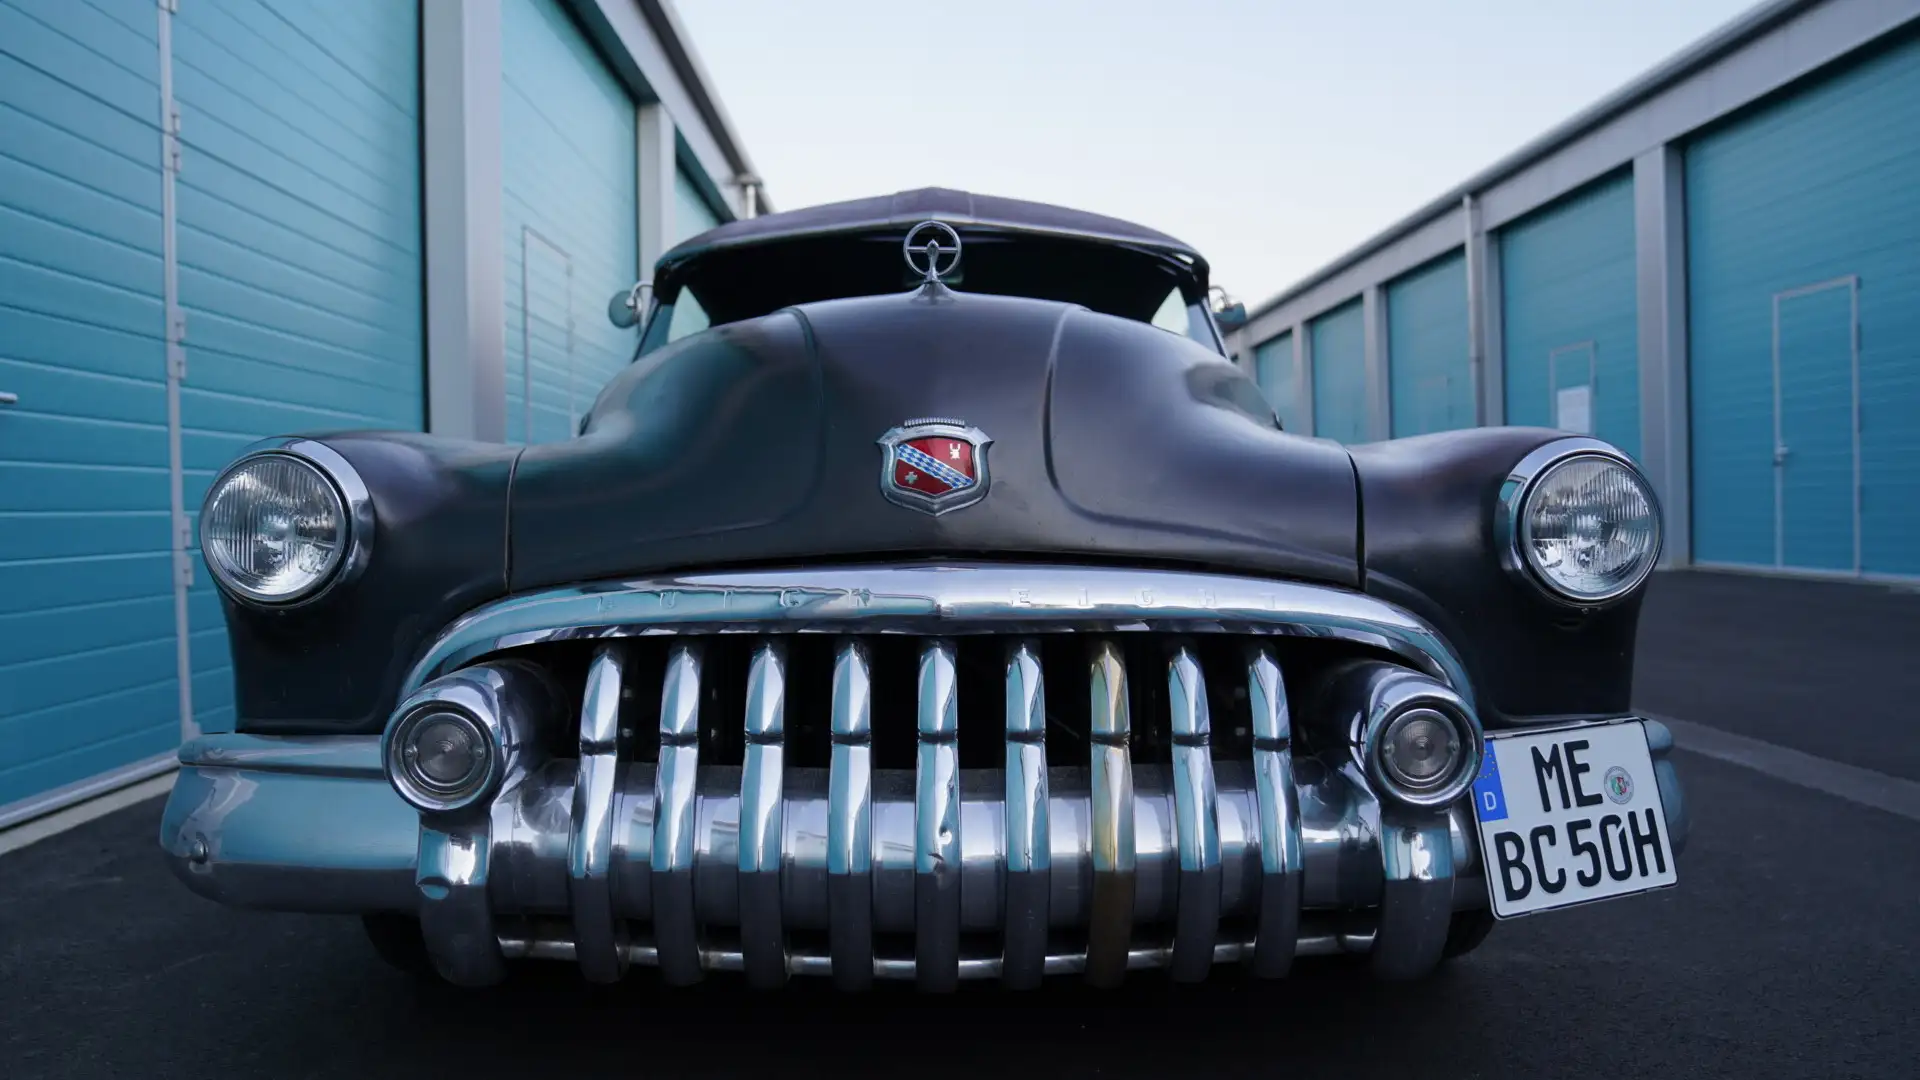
(1278, 807)
(850, 835)
(1027, 914)
(675, 819)
(1110, 841)
(598, 937)
(762, 825)
(1196, 828)
(937, 862)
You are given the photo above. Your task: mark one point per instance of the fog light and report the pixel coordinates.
(440, 759)
(1420, 749)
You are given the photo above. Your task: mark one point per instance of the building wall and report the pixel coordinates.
(1569, 327)
(1633, 261)
(1340, 407)
(1804, 282)
(1276, 369)
(222, 222)
(1430, 382)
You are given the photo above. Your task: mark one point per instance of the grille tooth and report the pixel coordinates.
(599, 939)
(936, 844)
(850, 820)
(1277, 924)
(1110, 929)
(1196, 826)
(674, 817)
(1029, 840)
(762, 825)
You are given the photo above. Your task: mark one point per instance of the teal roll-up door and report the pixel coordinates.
(1804, 335)
(692, 216)
(1569, 326)
(1276, 370)
(88, 656)
(299, 242)
(571, 199)
(1339, 349)
(1430, 374)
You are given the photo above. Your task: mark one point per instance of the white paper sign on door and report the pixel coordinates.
(1573, 409)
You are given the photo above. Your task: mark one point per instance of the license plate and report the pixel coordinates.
(1570, 816)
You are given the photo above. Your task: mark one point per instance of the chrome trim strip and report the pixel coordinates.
(940, 599)
(1281, 860)
(936, 818)
(354, 756)
(850, 821)
(762, 824)
(1196, 829)
(597, 933)
(675, 813)
(1027, 912)
(1110, 926)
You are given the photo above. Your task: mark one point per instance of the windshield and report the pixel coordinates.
(727, 286)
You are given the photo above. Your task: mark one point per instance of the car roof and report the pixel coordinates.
(903, 210)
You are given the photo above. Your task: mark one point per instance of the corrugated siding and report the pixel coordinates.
(691, 214)
(571, 201)
(1569, 313)
(299, 242)
(1817, 187)
(1340, 374)
(87, 648)
(1279, 378)
(1432, 382)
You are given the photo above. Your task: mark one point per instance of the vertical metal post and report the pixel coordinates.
(176, 345)
(1303, 372)
(1475, 256)
(1660, 241)
(658, 172)
(1379, 365)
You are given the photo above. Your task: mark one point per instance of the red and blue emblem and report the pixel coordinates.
(934, 464)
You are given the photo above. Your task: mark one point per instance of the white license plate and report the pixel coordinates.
(1570, 816)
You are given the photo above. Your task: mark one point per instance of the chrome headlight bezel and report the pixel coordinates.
(1510, 519)
(356, 506)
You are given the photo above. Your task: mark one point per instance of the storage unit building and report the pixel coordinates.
(222, 220)
(1716, 269)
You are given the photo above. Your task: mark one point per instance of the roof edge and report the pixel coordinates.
(1718, 43)
(666, 25)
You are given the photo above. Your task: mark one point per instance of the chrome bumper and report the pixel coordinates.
(311, 824)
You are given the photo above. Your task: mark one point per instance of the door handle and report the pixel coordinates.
(1779, 455)
(7, 397)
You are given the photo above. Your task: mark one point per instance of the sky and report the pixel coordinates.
(1272, 135)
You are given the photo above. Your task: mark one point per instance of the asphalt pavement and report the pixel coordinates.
(1789, 949)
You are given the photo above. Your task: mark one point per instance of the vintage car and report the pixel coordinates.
(931, 598)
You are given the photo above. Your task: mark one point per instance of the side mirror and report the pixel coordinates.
(627, 307)
(1231, 317)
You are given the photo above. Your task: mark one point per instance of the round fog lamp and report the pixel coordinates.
(441, 759)
(1420, 749)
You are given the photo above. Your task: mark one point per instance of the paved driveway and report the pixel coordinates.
(1790, 949)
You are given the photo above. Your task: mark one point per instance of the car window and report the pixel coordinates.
(1172, 313)
(686, 317)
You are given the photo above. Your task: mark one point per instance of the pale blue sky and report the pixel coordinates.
(1273, 135)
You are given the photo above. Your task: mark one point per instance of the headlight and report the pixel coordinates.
(1582, 521)
(277, 526)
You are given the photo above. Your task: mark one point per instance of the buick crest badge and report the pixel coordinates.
(934, 464)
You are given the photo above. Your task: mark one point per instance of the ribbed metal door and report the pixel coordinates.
(1432, 381)
(87, 645)
(1275, 369)
(1804, 330)
(1340, 374)
(571, 197)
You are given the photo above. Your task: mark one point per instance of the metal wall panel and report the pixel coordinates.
(1340, 374)
(1274, 369)
(299, 243)
(1429, 375)
(571, 214)
(1569, 315)
(88, 677)
(691, 214)
(1804, 291)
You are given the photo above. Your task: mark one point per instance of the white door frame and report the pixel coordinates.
(1851, 283)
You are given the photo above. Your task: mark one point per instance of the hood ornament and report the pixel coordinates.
(935, 464)
(926, 257)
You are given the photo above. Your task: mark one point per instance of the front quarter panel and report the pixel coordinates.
(1430, 546)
